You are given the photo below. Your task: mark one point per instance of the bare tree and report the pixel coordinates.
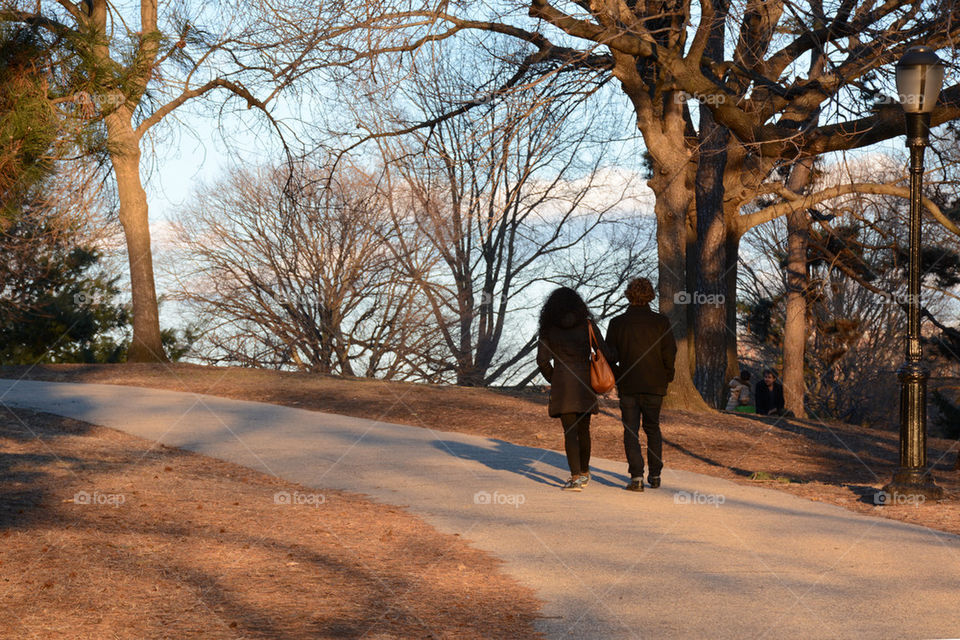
(133, 67)
(294, 273)
(495, 193)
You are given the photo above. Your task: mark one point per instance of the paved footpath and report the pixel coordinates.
(699, 558)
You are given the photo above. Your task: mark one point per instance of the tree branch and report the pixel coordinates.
(795, 202)
(35, 19)
(614, 39)
(72, 9)
(188, 94)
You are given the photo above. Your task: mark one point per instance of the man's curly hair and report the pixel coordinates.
(640, 291)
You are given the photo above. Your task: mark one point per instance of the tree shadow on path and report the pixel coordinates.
(506, 456)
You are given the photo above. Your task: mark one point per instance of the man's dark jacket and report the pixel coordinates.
(644, 347)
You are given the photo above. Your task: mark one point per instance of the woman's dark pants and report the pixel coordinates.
(576, 441)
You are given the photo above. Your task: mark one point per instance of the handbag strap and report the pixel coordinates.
(593, 339)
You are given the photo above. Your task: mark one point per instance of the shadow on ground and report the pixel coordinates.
(185, 554)
(525, 461)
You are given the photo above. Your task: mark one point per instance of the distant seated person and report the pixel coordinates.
(769, 395)
(739, 392)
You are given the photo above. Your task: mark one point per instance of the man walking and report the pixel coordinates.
(645, 348)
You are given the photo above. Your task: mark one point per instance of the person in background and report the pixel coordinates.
(643, 343)
(739, 391)
(563, 357)
(769, 395)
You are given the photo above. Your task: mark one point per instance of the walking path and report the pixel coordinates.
(700, 557)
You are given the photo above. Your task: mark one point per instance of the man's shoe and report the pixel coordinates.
(654, 482)
(635, 485)
(573, 484)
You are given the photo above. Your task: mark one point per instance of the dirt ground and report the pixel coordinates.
(104, 535)
(837, 463)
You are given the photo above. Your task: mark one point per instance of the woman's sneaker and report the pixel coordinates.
(573, 484)
(584, 479)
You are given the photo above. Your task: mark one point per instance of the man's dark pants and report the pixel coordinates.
(642, 409)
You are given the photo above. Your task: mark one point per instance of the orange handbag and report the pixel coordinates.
(601, 375)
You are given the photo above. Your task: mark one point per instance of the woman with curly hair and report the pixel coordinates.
(563, 357)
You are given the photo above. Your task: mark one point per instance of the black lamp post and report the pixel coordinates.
(919, 78)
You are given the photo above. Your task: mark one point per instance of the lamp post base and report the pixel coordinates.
(908, 484)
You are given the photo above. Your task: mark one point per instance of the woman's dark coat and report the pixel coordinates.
(563, 356)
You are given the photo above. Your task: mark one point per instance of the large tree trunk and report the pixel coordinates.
(692, 268)
(672, 203)
(124, 147)
(798, 235)
(664, 131)
(733, 269)
(795, 325)
(710, 295)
